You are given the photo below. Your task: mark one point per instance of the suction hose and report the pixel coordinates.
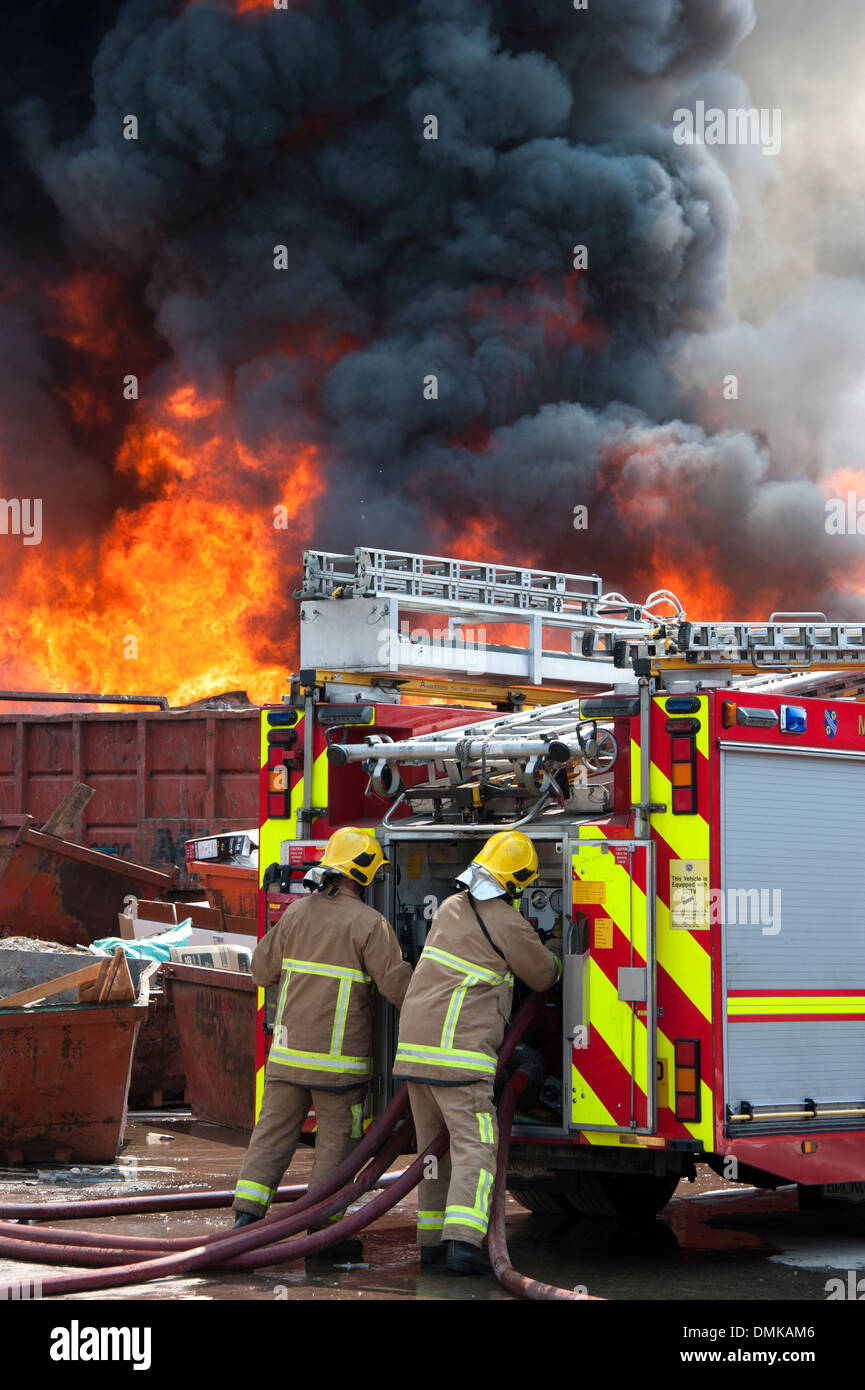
(134, 1259)
(316, 1205)
(510, 1278)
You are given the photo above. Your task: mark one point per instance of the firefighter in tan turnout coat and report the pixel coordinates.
(327, 951)
(451, 1027)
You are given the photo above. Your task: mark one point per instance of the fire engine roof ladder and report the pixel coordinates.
(367, 631)
(790, 651)
(791, 648)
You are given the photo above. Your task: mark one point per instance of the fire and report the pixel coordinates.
(552, 308)
(186, 594)
(845, 480)
(658, 517)
(484, 539)
(703, 596)
(83, 312)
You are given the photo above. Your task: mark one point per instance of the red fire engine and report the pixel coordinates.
(696, 795)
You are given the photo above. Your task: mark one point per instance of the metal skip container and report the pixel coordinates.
(64, 1067)
(61, 891)
(216, 1013)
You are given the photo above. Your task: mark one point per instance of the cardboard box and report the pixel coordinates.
(213, 957)
(146, 919)
(241, 926)
(208, 918)
(199, 937)
(209, 924)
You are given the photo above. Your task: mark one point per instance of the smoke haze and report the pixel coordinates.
(409, 259)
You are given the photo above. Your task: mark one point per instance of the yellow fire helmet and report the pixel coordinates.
(511, 859)
(355, 853)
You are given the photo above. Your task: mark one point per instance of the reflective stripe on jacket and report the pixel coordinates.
(327, 951)
(459, 1000)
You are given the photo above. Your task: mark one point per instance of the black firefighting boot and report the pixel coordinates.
(464, 1258)
(432, 1254)
(245, 1218)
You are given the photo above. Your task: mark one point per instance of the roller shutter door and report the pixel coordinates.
(793, 875)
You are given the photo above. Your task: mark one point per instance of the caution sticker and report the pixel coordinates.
(588, 892)
(689, 894)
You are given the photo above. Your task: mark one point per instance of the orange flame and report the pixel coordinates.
(185, 595)
(553, 307)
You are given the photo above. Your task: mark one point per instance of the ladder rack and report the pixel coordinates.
(433, 579)
(780, 646)
(356, 606)
(828, 685)
(359, 614)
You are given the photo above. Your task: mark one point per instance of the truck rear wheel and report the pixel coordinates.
(626, 1196)
(545, 1202)
(631, 1196)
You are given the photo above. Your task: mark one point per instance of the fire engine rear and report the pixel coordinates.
(696, 796)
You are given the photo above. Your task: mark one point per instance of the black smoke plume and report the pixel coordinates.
(407, 258)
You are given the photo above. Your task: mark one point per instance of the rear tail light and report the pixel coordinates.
(683, 765)
(687, 1068)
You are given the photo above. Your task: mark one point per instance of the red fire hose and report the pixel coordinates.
(497, 1244)
(136, 1259)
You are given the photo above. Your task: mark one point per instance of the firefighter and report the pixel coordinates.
(451, 1028)
(326, 950)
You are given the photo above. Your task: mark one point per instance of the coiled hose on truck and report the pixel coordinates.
(273, 1240)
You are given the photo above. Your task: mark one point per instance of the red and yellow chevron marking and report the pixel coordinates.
(617, 1047)
(602, 1072)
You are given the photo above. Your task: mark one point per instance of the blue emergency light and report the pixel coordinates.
(794, 719)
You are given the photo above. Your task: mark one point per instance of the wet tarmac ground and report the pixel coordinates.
(714, 1242)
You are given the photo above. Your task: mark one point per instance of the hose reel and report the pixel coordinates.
(599, 749)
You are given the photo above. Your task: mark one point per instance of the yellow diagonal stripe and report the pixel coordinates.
(616, 1023)
(680, 954)
(685, 961)
(687, 836)
(597, 865)
(591, 1107)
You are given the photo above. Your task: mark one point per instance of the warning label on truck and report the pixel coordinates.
(603, 933)
(689, 894)
(588, 892)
